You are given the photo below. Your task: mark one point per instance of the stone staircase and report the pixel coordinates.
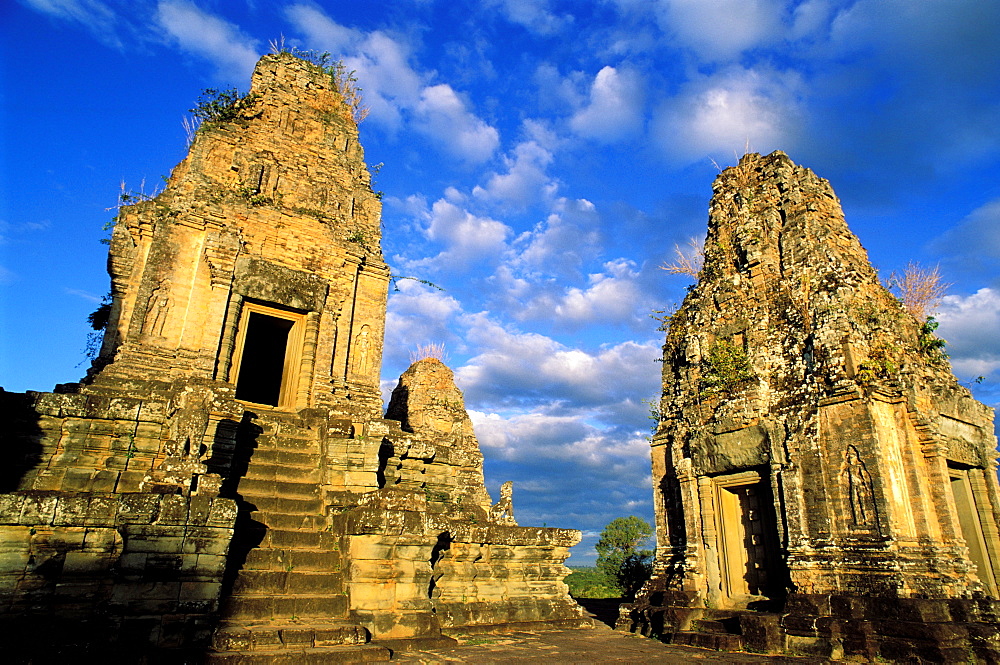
(731, 630)
(287, 601)
(715, 629)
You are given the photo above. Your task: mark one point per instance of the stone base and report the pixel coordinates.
(521, 626)
(894, 629)
(830, 627)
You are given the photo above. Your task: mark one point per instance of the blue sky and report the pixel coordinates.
(541, 159)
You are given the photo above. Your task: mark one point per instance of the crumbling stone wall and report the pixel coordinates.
(814, 444)
(222, 486)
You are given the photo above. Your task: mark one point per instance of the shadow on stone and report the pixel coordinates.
(604, 610)
(20, 438)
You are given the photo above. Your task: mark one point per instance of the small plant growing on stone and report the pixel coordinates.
(395, 279)
(688, 260)
(725, 368)
(216, 105)
(98, 321)
(928, 342)
(880, 365)
(429, 350)
(920, 289)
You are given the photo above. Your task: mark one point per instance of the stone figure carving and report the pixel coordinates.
(187, 418)
(362, 350)
(503, 511)
(860, 491)
(156, 309)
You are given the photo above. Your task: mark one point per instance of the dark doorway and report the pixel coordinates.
(753, 568)
(262, 364)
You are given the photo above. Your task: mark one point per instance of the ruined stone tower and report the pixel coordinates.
(222, 485)
(816, 460)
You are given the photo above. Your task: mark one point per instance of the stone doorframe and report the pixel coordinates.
(976, 522)
(725, 545)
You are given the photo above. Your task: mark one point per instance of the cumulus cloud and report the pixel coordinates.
(970, 324)
(614, 110)
(513, 367)
(394, 91)
(547, 455)
(534, 15)
(467, 238)
(563, 241)
(443, 116)
(718, 30)
(525, 182)
(233, 53)
(612, 296)
(722, 112)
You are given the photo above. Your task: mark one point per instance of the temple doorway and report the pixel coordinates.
(751, 566)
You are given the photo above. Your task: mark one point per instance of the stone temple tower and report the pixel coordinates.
(260, 264)
(223, 487)
(823, 483)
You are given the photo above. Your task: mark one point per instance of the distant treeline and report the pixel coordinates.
(589, 582)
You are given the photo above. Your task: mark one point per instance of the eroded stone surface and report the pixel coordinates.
(816, 456)
(224, 477)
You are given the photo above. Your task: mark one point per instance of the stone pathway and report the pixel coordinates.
(598, 645)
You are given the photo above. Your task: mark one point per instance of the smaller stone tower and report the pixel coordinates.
(822, 480)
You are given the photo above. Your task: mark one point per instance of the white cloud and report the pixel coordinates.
(513, 366)
(467, 238)
(233, 53)
(389, 84)
(718, 30)
(443, 116)
(612, 297)
(320, 29)
(721, 113)
(561, 243)
(809, 18)
(615, 107)
(532, 14)
(970, 325)
(394, 91)
(525, 182)
(417, 314)
(92, 14)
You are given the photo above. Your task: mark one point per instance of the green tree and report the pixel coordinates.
(619, 555)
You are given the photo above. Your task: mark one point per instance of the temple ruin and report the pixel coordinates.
(223, 483)
(823, 483)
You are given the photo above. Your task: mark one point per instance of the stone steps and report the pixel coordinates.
(272, 472)
(250, 487)
(284, 607)
(302, 560)
(360, 653)
(290, 521)
(716, 641)
(294, 642)
(270, 504)
(290, 581)
(287, 458)
(715, 630)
